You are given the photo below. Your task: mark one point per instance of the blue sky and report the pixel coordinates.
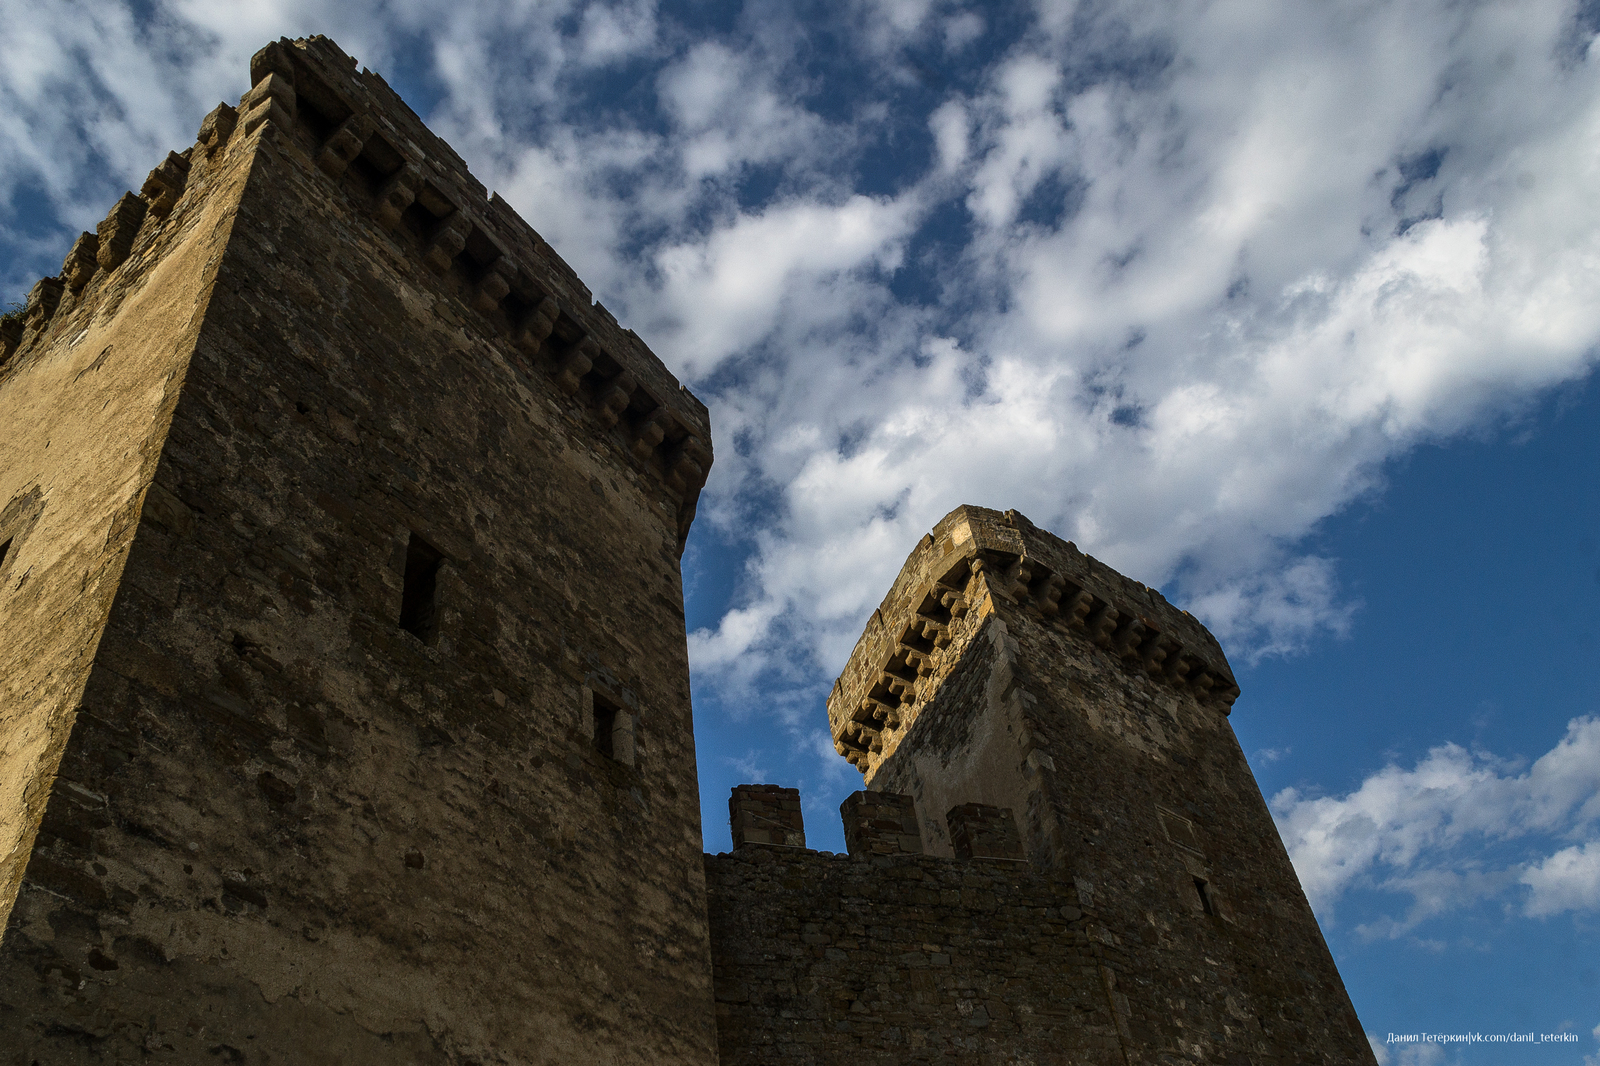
(1289, 309)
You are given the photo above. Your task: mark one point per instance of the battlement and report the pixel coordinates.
(372, 148)
(876, 824)
(973, 557)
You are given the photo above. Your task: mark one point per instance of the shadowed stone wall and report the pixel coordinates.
(385, 754)
(905, 959)
(1008, 669)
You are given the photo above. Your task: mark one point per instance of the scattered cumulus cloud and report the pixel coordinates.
(1457, 828)
(1176, 281)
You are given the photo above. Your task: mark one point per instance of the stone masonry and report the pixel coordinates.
(344, 698)
(345, 689)
(1029, 703)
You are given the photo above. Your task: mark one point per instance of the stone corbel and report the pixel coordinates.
(847, 745)
(43, 299)
(10, 337)
(649, 432)
(953, 601)
(1128, 637)
(398, 192)
(346, 143)
(688, 468)
(1178, 667)
(535, 328)
(448, 242)
(1226, 696)
(1075, 607)
(1048, 598)
(1016, 580)
(905, 691)
(1102, 621)
(495, 285)
(613, 397)
(1155, 652)
(879, 711)
(569, 370)
(933, 630)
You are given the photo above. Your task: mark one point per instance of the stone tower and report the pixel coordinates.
(344, 704)
(1028, 701)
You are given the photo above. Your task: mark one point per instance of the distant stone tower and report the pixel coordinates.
(344, 700)
(1007, 669)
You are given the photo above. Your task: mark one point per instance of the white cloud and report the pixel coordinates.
(1163, 277)
(730, 111)
(615, 31)
(1423, 831)
(727, 291)
(1207, 316)
(1569, 880)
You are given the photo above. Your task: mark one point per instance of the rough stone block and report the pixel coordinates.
(880, 823)
(978, 831)
(43, 299)
(81, 261)
(166, 183)
(118, 230)
(766, 814)
(217, 127)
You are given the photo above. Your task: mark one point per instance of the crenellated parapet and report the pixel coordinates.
(367, 145)
(973, 560)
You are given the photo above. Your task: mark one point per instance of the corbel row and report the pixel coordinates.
(904, 677)
(1051, 598)
(502, 284)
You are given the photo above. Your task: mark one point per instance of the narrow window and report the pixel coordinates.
(1203, 890)
(4, 548)
(605, 726)
(611, 728)
(419, 601)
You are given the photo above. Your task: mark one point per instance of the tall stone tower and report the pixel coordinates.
(344, 705)
(1006, 671)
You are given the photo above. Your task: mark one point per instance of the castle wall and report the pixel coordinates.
(968, 738)
(88, 381)
(903, 959)
(1098, 714)
(291, 828)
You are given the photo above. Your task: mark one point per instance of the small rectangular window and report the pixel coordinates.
(605, 726)
(1203, 889)
(419, 600)
(611, 728)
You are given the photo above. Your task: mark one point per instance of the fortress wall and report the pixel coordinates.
(1098, 714)
(291, 829)
(1160, 823)
(904, 959)
(89, 376)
